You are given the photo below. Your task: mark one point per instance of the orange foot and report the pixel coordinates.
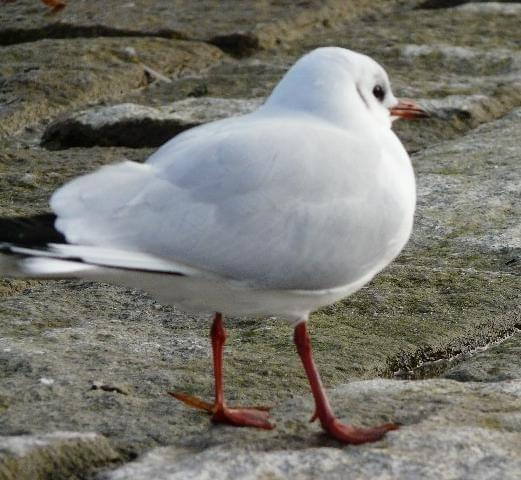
(239, 417)
(243, 417)
(355, 435)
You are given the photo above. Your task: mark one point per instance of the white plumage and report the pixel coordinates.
(278, 212)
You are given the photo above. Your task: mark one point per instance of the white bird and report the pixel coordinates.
(277, 212)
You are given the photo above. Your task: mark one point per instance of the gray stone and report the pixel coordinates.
(464, 60)
(57, 455)
(461, 107)
(477, 176)
(137, 126)
(491, 8)
(449, 430)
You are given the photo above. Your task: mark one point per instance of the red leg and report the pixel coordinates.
(218, 336)
(344, 432)
(240, 417)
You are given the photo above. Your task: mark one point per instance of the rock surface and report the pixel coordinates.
(135, 126)
(58, 75)
(499, 363)
(57, 455)
(83, 357)
(449, 430)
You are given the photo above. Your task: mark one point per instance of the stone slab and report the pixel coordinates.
(138, 126)
(57, 455)
(449, 430)
(57, 75)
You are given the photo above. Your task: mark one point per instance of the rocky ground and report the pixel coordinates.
(433, 342)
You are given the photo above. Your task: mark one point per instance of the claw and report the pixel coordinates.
(346, 433)
(193, 402)
(239, 416)
(243, 417)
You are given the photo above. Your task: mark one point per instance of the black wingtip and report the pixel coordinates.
(32, 231)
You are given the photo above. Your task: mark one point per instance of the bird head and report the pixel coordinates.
(344, 87)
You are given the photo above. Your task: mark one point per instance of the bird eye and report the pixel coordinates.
(379, 92)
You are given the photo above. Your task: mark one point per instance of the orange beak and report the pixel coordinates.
(408, 109)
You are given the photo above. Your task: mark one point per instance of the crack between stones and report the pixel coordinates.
(14, 36)
(428, 363)
(237, 44)
(439, 4)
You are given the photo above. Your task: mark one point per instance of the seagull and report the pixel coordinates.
(278, 212)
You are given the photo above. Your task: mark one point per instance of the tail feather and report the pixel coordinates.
(41, 267)
(32, 247)
(24, 232)
(37, 230)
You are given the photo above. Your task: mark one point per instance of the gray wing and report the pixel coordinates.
(278, 203)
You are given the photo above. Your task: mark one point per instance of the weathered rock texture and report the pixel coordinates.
(450, 430)
(101, 81)
(57, 455)
(131, 125)
(62, 74)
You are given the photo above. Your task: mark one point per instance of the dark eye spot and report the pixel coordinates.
(379, 92)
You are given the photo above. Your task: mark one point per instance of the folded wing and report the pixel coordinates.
(239, 201)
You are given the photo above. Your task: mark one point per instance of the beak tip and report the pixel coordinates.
(409, 110)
